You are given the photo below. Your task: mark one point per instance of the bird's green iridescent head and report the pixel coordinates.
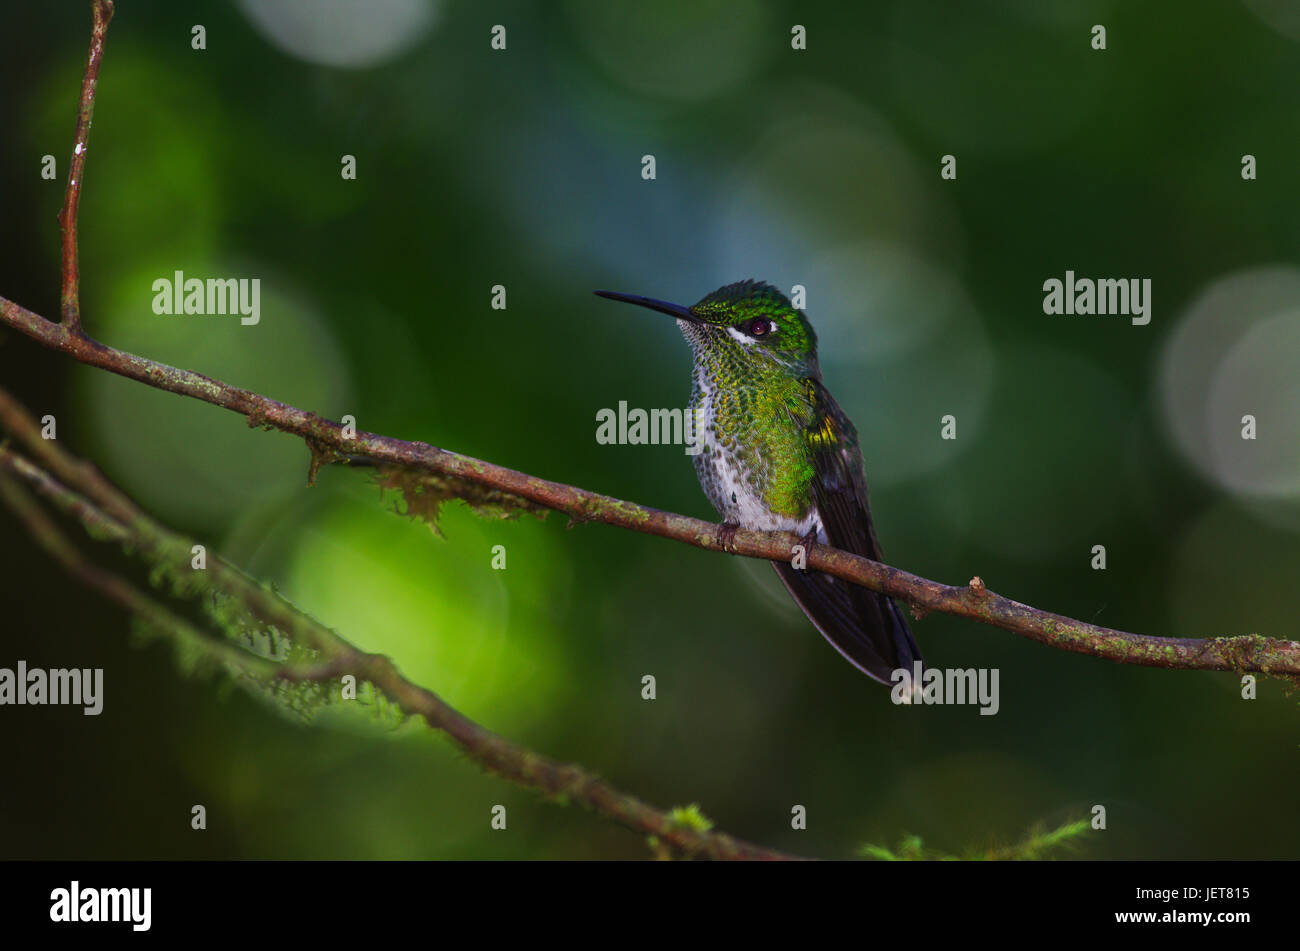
(749, 320)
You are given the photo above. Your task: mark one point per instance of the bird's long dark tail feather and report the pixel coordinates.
(866, 627)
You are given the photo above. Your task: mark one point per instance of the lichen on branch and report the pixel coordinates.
(422, 495)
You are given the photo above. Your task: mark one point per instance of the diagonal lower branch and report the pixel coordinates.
(48, 535)
(87, 497)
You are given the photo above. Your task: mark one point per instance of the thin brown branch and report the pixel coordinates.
(973, 601)
(159, 545)
(70, 299)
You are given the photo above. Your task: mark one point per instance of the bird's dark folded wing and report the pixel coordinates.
(866, 627)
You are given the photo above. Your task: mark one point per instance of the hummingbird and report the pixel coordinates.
(779, 454)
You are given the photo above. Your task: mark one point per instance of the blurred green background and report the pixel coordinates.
(523, 168)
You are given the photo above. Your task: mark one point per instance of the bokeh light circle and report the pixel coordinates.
(348, 33)
(1235, 353)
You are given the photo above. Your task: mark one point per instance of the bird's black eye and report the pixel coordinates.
(760, 327)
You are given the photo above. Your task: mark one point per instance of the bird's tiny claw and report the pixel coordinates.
(726, 536)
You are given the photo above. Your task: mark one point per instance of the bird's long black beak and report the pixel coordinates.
(672, 310)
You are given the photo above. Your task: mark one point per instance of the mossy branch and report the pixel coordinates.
(292, 647)
(1239, 653)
